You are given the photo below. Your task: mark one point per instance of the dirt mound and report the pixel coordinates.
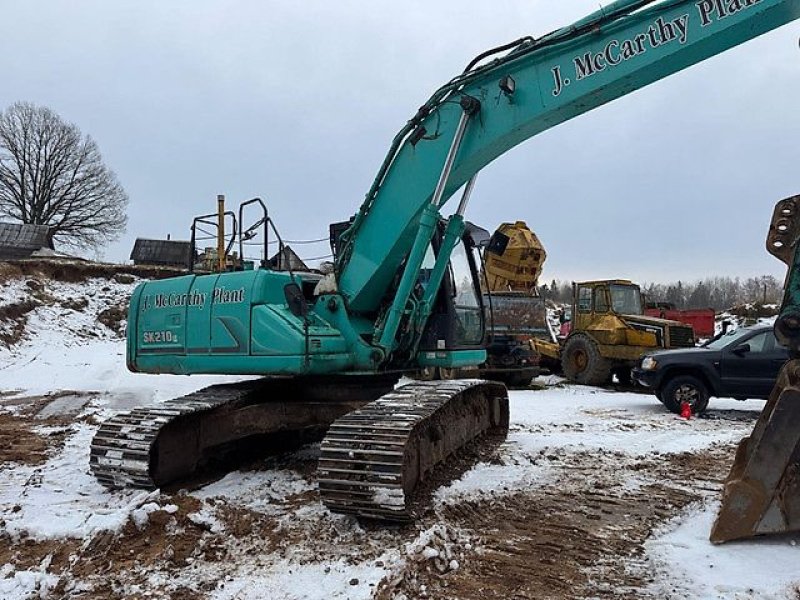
(13, 319)
(22, 439)
(77, 300)
(169, 540)
(114, 318)
(76, 271)
(581, 536)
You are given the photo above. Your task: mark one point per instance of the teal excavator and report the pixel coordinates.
(404, 292)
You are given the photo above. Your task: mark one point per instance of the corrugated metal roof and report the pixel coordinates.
(287, 260)
(161, 252)
(20, 239)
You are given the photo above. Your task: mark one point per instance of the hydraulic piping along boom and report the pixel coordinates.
(537, 85)
(430, 217)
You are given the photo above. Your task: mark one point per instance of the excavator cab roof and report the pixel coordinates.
(608, 282)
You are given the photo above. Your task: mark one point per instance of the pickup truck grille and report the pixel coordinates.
(681, 337)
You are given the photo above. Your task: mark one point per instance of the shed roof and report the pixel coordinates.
(287, 260)
(22, 239)
(161, 252)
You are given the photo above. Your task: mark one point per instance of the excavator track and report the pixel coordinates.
(154, 446)
(373, 458)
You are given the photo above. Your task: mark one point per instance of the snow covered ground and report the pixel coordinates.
(594, 493)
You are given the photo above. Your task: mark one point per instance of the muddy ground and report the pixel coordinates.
(579, 534)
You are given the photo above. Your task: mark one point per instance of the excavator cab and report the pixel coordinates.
(457, 321)
(762, 491)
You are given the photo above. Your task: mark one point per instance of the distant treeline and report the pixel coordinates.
(719, 293)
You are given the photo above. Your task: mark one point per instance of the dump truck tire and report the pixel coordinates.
(685, 388)
(582, 363)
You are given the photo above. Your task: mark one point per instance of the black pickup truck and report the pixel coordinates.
(741, 364)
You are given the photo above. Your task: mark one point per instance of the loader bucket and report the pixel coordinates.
(762, 491)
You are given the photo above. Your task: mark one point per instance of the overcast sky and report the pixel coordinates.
(297, 102)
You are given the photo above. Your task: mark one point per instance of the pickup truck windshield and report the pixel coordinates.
(626, 300)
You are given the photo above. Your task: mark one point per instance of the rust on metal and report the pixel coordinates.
(762, 491)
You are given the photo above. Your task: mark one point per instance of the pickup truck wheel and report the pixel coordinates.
(685, 388)
(582, 363)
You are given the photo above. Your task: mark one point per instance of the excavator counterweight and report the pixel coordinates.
(762, 491)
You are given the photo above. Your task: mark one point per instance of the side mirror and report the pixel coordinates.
(295, 300)
(741, 349)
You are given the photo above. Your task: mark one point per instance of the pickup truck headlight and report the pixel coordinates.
(649, 363)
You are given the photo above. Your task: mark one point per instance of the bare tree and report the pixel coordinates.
(52, 175)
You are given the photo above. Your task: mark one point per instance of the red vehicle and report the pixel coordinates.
(701, 319)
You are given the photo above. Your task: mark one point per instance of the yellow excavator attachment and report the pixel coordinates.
(762, 491)
(514, 259)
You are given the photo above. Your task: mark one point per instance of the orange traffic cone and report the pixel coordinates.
(686, 410)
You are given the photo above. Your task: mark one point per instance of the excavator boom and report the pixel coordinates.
(535, 86)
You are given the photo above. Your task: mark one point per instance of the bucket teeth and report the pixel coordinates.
(762, 491)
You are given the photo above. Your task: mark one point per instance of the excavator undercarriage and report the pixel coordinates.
(762, 491)
(379, 446)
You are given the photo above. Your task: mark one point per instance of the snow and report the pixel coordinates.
(261, 490)
(290, 581)
(767, 569)
(67, 349)
(577, 418)
(25, 584)
(61, 498)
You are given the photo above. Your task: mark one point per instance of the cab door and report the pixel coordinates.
(584, 307)
(750, 367)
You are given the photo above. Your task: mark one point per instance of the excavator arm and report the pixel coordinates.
(493, 106)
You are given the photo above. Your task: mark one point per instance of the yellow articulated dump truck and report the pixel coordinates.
(609, 333)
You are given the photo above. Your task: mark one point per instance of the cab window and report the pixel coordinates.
(760, 343)
(584, 299)
(468, 312)
(600, 300)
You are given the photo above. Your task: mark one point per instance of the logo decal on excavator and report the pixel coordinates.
(198, 299)
(661, 31)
